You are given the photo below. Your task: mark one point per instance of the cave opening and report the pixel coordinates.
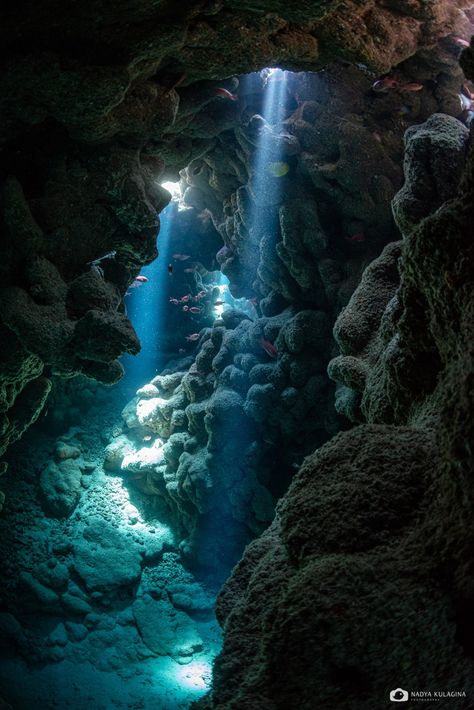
(235, 356)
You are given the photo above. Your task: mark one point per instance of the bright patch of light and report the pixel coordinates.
(219, 309)
(174, 189)
(223, 288)
(196, 675)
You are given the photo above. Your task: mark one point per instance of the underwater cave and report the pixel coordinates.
(236, 355)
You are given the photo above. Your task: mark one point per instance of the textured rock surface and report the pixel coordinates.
(98, 103)
(356, 587)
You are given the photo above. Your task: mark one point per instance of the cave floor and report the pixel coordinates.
(96, 608)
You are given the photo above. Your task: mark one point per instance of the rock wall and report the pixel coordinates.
(95, 101)
(221, 437)
(363, 583)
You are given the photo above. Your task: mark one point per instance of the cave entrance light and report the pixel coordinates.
(147, 303)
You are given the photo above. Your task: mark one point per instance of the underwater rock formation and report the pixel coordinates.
(363, 580)
(204, 438)
(373, 568)
(96, 109)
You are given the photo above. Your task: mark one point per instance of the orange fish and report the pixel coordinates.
(185, 299)
(411, 87)
(192, 338)
(467, 92)
(381, 86)
(224, 94)
(194, 309)
(461, 42)
(269, 348)
(356, 238)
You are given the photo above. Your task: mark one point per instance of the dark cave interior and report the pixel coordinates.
(236, 354)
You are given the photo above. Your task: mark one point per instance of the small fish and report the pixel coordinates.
(356, 238)
(185, 299)
(278, 168)
(381, 86)
(219, 303)
(147, 437)
(467, 92)
(174, 301)
(194, 309)
(225, 94)
(411, 87)
(170, 269)
(185, 309)
(190, 270)
(181, 257)
(268, 346)
(192, 338)
(181, 351)
(141, 279)
(461, 42)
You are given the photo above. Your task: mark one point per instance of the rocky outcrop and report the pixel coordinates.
(390, 360)
(321, 607)
(329, 606)
(96, 109)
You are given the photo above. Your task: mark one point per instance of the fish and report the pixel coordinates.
(194, 309)
(219, 303)
(181, 351)
(147, 437)
(268, 346)
(170, 269)
(356, 238)
(411, 87)
(192, 338)
(381, 86)
(461, 42)
(467, 92)
(201, 294)
(141, 279)
(181, 257)
(190, 270)
(174, 301)
(225, 94)
(278, 168)
(185, 309)
(185, 299)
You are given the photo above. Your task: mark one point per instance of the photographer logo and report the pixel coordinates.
(399, 695)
